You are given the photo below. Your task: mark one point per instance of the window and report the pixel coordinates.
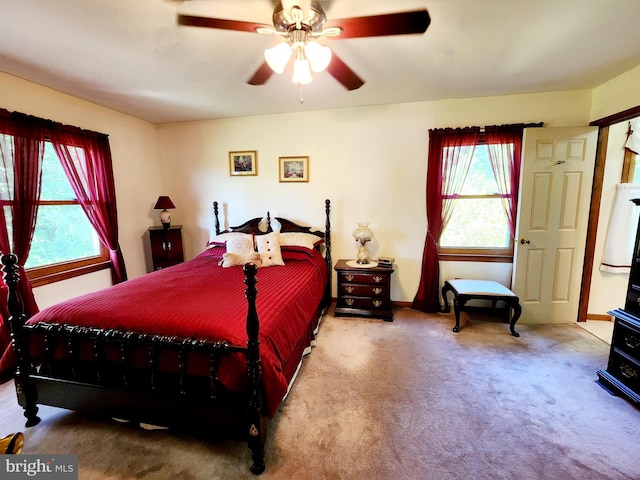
(64, 242)
(478, 225)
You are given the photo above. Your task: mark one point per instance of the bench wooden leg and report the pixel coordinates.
(517, 311)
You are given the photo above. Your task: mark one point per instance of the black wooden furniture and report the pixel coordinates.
(622, 375)
(363, 291)
(465, 290)
(166, 246)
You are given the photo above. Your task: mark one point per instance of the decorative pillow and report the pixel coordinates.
(239, 251)
(235, 259)
(299, 239)
(223, 238)
(269, 249)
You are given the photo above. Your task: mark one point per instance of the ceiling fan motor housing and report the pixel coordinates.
(286, 21)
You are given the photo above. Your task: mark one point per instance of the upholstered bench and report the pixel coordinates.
(464, 290)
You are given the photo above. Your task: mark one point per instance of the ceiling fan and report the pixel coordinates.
(300, 23)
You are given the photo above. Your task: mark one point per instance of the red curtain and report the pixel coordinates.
(86, 159)
(505, 153)
(21, 152)
(446, 171)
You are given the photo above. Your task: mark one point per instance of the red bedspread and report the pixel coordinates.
(199, 299)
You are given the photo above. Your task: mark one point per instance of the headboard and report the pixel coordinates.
(263, 225)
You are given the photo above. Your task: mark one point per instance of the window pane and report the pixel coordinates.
(62, 233)
(55, 185)
(479, 223)
(480, 179)
(636, 170)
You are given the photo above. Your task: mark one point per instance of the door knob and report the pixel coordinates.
(524, 242)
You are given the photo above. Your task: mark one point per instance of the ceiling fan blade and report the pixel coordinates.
(401, 23)
(341, 72)
(240, 26)
(261, 75)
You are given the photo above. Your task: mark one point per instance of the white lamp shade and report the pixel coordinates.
(278, 56)
(301, 72)
(319, 56)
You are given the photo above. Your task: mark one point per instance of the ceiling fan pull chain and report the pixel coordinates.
(300, 99)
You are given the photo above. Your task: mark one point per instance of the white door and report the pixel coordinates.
(555, 196)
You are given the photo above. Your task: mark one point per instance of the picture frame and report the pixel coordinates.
(243, 163)
(293, 169)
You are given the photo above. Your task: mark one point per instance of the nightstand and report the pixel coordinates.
(363, 291)
(166, 246)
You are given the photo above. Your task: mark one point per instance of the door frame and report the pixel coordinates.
(596, 197)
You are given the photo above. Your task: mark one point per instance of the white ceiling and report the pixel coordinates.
(131, 56)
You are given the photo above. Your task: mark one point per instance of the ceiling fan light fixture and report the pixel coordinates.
(301, 72)
(277, 57)
(318, 55)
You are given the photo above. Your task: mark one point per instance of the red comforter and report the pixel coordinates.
(199, 299)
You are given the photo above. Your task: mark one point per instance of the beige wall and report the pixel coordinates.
(371, 163)
(134, 148)
(616, 95)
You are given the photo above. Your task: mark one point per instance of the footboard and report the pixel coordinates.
(140, 377)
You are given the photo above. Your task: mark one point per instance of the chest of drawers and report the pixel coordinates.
(363, 291)
(623, 369)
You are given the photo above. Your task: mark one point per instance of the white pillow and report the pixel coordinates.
(269, 249)
(242, 245)
(239, 252)
(299, 239)
(223, 238)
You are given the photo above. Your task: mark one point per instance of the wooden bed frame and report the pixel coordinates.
(150, 396)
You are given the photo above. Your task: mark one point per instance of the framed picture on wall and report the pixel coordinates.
(294, 169)
(243, 163)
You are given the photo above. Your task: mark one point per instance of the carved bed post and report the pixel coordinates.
(327, 242)
(217, 221)
(25, 388)
(256, 421)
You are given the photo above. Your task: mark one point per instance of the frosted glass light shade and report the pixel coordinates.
(301, 72)
(363, 234)
(319, 56)
(278, 56)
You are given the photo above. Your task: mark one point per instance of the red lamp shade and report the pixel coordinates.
(163, 204)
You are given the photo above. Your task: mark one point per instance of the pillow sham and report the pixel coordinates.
(269, 249)
(239, 251)
(223, 238)
(297, 253)
(299, 239)
(236, 260)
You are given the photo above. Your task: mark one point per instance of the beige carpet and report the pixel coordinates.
(402, 400)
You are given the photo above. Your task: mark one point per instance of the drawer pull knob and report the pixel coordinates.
(349, 301)
(377, 290)
(377, 278)
(628, 371)
(632, 341)
(377, 303)
(349, 289)
(349, 278)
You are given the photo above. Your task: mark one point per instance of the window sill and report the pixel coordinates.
(66, 274)
(469, 257)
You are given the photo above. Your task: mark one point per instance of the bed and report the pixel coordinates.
(190, 345)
